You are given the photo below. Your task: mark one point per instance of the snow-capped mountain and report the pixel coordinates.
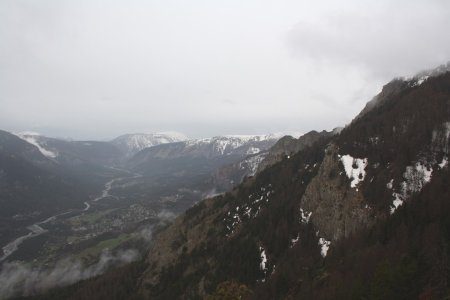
(232, 144)
(130, 144)
(209, 148)
(200, 156)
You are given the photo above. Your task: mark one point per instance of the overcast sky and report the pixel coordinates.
(97, 69)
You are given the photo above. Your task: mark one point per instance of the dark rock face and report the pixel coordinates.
(336, 210)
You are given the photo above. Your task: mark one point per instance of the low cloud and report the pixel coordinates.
(17, 279)
(147, 233)
(166, 215)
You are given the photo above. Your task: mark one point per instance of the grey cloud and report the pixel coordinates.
(93, 69)
(387, 38)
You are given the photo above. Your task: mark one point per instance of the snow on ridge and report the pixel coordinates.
(421, 76)
(174, 135)
(255, 137)
(225, 143)
(135, 142)
(31, 138)
(418, 80)
(357, 174)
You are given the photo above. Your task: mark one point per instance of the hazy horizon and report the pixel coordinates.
(94, 70)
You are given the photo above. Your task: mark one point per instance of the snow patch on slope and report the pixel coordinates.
(253, 150)
(295, 241)
(444, 162)
(354, 168)
(415, 178)
(262, 265)
(32, 138)
(304, 216)
(252, 163)
(248, 210)
(325, 245)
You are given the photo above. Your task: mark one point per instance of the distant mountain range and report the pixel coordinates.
(203, 153)
(40, 175)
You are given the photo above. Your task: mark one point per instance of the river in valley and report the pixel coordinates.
(36, 229)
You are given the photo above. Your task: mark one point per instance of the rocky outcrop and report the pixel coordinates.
(335, 209)
(289, 145)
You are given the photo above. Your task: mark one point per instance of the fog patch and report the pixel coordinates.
(212, 193)
(17, 279)
(147, 233)
(166, 215)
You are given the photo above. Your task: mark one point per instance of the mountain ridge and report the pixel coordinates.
(132, 143)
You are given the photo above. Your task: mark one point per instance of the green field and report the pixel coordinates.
(96, 250)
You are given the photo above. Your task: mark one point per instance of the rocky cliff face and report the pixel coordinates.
(335, 208)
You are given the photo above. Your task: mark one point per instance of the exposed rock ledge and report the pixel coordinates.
(337, 209)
